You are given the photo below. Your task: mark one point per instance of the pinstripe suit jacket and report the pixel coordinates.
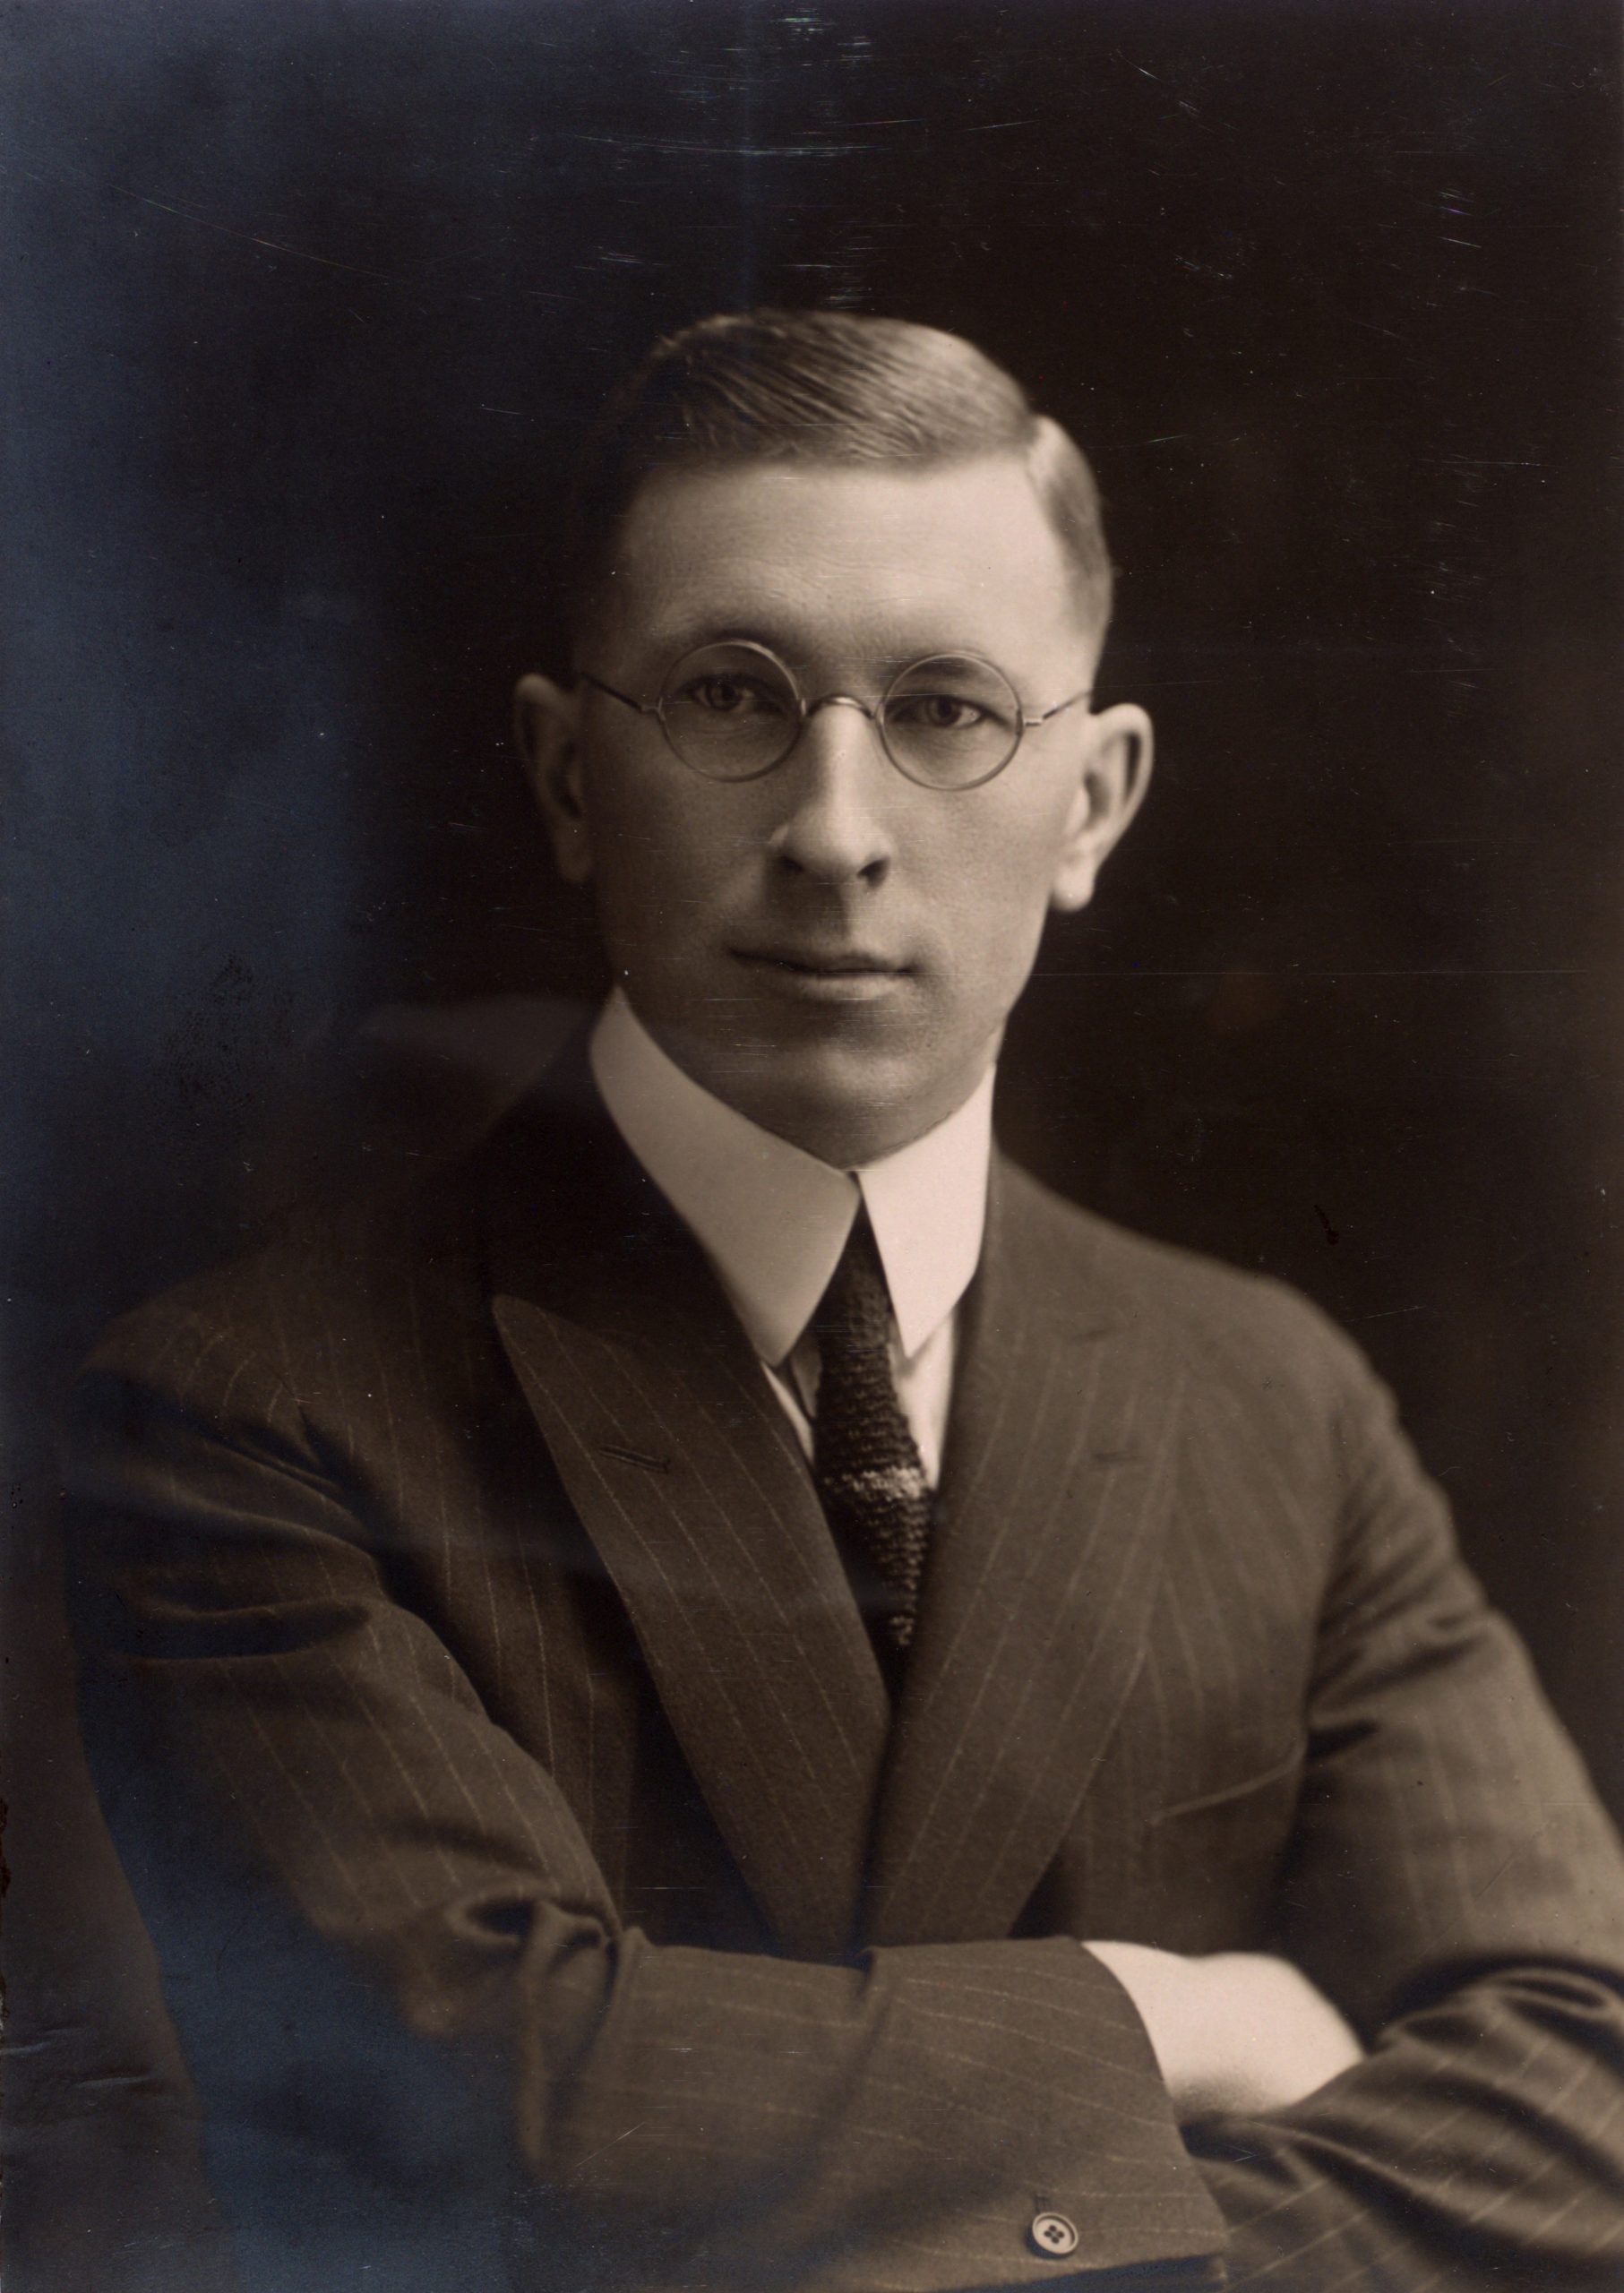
(548, 1896)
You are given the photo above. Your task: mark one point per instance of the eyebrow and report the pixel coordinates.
(686, 635)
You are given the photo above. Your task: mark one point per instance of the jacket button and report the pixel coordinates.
(1053, 2235)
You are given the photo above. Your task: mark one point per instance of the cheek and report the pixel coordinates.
(660, 860)
(998, 892)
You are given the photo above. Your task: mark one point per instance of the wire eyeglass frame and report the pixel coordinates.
(1023, 721)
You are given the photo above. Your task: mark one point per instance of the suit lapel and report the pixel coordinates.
(1042, 1571)
(689, 1481)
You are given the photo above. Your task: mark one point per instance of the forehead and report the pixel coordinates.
(824, 560)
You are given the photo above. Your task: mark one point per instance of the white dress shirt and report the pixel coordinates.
(773, 1220)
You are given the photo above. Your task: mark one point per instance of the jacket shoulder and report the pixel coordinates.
(311, 1298)
(1233, 1324)
(338, 1288)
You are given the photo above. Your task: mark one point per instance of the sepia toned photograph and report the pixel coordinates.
(813, 950)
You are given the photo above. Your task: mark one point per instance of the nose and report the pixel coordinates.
(836, 781)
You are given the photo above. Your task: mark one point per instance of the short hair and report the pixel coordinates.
(826, 386)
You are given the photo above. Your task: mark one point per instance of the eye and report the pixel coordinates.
(937, 712)
(724, 693)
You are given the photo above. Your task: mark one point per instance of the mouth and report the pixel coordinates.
(845, 975)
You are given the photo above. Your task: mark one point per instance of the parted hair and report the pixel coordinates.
(827, 386)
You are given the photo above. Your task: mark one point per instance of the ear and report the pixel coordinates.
(545, 726)
(1116, 774)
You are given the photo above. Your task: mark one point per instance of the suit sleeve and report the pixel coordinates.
(1453, 1886)
(394, 1961)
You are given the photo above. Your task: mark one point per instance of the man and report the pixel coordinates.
(737, 1696)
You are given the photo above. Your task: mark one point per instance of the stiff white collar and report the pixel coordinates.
(772, 1219)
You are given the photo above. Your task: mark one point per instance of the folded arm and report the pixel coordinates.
(451, 1993)
(429, 1977)
(1427, 2089)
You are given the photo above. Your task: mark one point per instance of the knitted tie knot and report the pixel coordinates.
(864, 1457)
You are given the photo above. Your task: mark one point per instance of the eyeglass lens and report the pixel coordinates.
(732, 711)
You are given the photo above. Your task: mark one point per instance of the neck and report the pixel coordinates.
(847, 1129)
(848, 1139)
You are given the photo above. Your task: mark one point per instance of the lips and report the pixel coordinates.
(831, 979)
(823, 963)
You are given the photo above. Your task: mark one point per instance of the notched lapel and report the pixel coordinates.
(687, 1477)
(1051, 1521)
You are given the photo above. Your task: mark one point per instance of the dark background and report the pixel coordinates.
(307, 307)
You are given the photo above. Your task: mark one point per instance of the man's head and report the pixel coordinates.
(822, 387)
(831, 945)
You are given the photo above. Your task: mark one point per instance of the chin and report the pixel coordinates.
(837, 1103)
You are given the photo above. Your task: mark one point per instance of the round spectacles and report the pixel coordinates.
(732, 711)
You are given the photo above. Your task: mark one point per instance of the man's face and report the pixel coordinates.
(832, 948)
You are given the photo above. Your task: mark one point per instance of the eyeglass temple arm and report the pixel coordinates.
(643, 708)
(1060, 706)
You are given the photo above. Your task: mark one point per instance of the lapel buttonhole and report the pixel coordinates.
(635, 1457)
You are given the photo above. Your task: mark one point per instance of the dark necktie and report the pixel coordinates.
(864, 1457)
